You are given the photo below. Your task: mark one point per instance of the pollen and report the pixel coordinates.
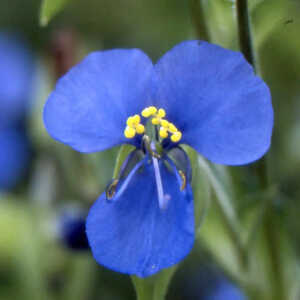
(157, 118)
(163, 132)
(133, 127)
(129, 132)
(172, 128)
(164, 123)
(155, 121)
(149, 111)
(176, 136)
(130, 121)
(146, 113)
(161, 113)
(140, 128)
(136, 119)
(152, 110)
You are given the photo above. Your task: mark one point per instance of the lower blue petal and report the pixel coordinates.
(133, 235)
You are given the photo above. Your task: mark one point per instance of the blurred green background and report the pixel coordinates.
(36, 265)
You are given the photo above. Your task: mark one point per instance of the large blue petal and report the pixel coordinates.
(132, 235)
(213, 96)
(91, 103)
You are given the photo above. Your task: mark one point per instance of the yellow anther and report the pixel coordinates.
(129, 132)
(140, 128)
(161, 113)
(134, 125)
(176, 136)
(136, 119)
(130, 122)
(155, 121)
(164, 123)
(183, 178)
(163, 132)
(172, 128)
(146, 112)
(152, 110)
(111, 190)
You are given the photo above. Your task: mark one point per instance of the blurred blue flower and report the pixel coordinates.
(72, 231)
(16, 79)
(16, 82)
(205, 282)
(225, 290)
(14, 157)
(197, 94)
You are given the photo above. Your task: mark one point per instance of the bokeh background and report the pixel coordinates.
(46, 188)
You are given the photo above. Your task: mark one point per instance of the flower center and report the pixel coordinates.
(157, 117)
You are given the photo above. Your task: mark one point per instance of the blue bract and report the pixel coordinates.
(197, 94)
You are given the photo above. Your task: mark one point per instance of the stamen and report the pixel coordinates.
(172, 128)
(164, 127)
(129, 132)
(133, 127)
(136, 119)
(152, 110)
(163, 132)
(130, 121)
(183, 178)
(127, 180)
(180, 175)
(176, 137)
(181, 161)
(162, 198)
(161, 113)
(164, 123)
(152, 152)
(155, 121)
(111, 190)
(140, 129)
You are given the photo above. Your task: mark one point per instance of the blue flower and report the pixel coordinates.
(14, 157)
(205, 282)
(72, 231)
(197, 94)
(225, 290)
(16, 78)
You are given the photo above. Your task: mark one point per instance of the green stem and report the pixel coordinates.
(276, 276)
(247, 48)
(244, 31)
(81, 278)
(246, 45)
(198, 19)
(228, 215)
(154, 287)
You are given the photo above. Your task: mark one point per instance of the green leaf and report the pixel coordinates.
(49, 9)
(227, 216)
(201, 188)
(154, 287)
(122, 155)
